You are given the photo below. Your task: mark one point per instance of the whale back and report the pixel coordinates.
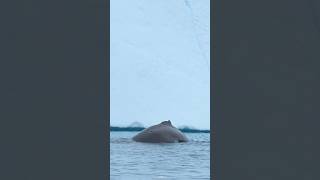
(161, 133)
(168, 123)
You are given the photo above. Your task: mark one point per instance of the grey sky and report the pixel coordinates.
(160, 62)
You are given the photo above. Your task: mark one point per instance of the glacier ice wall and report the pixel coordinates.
(160, 62)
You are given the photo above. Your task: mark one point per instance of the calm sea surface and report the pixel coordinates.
(133, 160)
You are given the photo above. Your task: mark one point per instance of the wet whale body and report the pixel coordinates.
(161, 133)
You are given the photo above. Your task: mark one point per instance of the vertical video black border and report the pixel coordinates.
(103, 77)
(107, 134)
(215, 85)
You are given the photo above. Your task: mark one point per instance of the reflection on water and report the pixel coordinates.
(134, 160)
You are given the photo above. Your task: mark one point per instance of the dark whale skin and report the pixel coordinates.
(161, 133)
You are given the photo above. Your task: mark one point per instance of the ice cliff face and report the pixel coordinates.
(160, 58)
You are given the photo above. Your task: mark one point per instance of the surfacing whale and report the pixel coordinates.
(161, 133)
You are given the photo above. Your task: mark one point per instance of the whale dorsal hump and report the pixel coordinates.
(168, 123)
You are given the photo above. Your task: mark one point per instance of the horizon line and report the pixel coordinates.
(183, 129)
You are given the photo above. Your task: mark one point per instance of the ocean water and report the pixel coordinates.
(134, 160)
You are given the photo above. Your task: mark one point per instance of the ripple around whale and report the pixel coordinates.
(130, 141)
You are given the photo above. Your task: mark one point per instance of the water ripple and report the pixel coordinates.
(134, 160)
